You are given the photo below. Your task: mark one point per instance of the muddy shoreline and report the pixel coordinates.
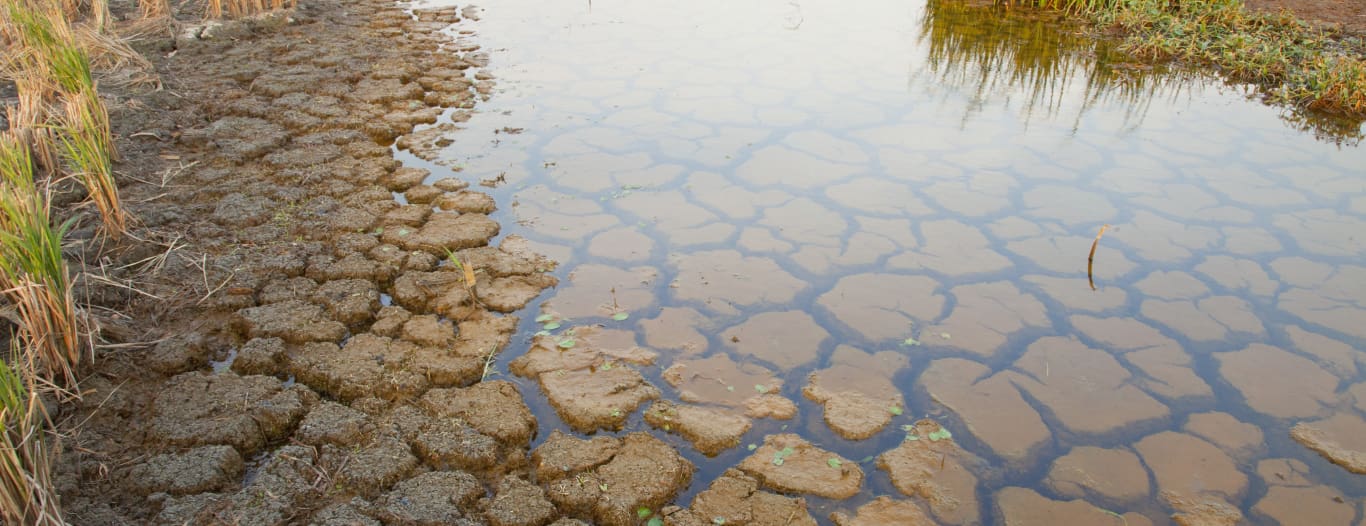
(296, 344)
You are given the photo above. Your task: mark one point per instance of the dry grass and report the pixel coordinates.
(33, 275)
(244, 8)
(27, 495)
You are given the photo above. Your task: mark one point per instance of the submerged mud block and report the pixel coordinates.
(789, 463)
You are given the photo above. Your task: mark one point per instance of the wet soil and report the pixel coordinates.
(301, 348)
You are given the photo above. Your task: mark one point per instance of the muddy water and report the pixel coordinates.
(837, 229)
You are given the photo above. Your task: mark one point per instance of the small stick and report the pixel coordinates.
(1092, 258)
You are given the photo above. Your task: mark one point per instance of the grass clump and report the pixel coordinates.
(1295, 62)
(244, 8)
(27, 495)
(33, 275)
(60, 115)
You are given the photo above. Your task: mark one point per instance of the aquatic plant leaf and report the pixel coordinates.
(567, 344)
(834, 463)
(752, 447)
(760, 388)
(946, 336)
(542, 333)
(621, 316)
(644, 512)
(606, 366)
(910, 342)
(551, 326)
(655, 521)
(777, 461)
(894, 410)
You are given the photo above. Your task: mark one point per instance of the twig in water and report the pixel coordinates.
(1092, 258)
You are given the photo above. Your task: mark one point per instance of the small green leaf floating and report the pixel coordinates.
(543, 333)
(643, 512)
(941, 434)
(894, 410)
(544, 318)
(567, 344)
(606, 366)
(656, 521)
(551, 326)
(760, 388)
(946, 336)
(834, 462)
(621, 316)
(752, 447)
(910, 342)
(781, 455)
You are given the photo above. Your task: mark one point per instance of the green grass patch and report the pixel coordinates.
(1296, 63)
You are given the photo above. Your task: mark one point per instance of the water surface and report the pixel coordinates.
(900, 197)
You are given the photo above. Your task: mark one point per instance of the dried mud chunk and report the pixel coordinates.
(442, 367)
(350, 301)
(1341, 439)
(644, 473)
(293, 321)
(431, 499)
(452, 445)
(404, 178)
(305, 156)
(198, 470)
(1300, 388)
(589, 400)
(332, 423)
(369, 365)
(179, 353)
(1188, 466)
(390, 321)
(467, 202)
(493, 408)
(565, 455)
(1024, 507)
(788, 463)
(935, 470)
(429, 330)
(511, 293)
(352, 266)
(885, 510)
(263, 356)
(374, 467)
(711, 431)
(280, 486)
(735, 498)
(857, 391)
(378, 91)
(718, 380)
(409, 215)
(1114, 474)
(520, 503)
(343, 514)
(1202, 510)
(484, 336)
(444, 231)
(350, 220)
(238, 139)
(422, 194)
(279, 290)
(238, 211)
(241, 411)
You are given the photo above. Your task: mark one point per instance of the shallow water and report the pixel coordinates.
(901, 198)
